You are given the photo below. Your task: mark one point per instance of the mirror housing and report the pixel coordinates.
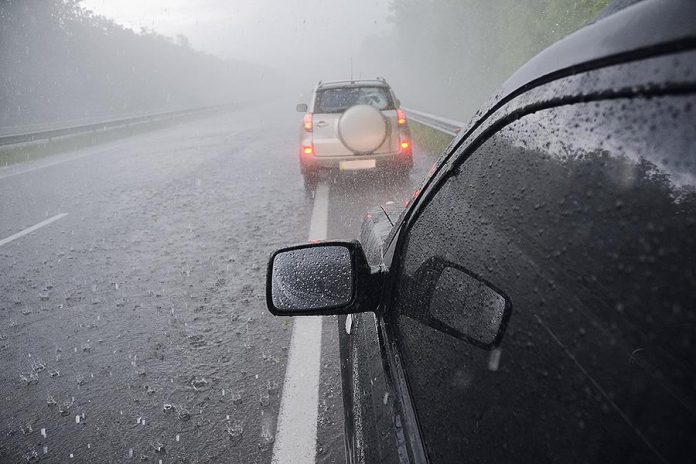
(322, 278)
(301, 108)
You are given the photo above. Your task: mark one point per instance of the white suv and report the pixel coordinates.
(352, 125)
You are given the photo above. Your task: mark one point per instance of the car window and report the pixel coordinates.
(583, 216)
(337, 100)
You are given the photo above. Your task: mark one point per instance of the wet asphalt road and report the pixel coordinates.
(134, 327)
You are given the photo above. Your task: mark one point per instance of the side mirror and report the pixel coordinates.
(301, 108)
(321, 278)
(398, 103)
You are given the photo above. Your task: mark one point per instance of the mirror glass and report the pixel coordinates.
(467, 305)
(301, 107)
(319, 277)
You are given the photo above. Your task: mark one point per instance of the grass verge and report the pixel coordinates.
(20, 153)
(432, 140)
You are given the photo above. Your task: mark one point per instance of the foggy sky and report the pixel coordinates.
(303, 38)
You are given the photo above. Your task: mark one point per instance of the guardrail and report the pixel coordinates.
(48, 134)
(448, 126)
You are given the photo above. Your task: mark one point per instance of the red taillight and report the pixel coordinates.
(404, 145)
(308, 122)
(401, 117)
(307, 149)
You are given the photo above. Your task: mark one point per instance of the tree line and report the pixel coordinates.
(61, 62)
(450, 56)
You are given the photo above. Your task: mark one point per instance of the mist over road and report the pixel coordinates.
(132, 316)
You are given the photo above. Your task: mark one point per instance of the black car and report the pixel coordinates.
(536, 300)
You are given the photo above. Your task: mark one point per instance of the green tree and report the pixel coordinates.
(453, 54)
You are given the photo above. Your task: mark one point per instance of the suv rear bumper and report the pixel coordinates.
(309, 163)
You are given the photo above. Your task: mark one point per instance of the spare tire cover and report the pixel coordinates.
(362, 128)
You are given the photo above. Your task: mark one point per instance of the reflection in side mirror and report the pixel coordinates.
(468, 305)
(301, 108)
(459, 303)
(321, 278)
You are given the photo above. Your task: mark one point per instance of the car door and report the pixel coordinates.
(542, 295)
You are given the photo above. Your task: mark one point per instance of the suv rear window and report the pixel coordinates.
(339, 99)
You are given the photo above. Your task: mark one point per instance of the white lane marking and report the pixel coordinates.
(31, 229)
(320, 213)
(296, 434)
(42, 165)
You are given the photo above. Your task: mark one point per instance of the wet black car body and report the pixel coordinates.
(537, 296)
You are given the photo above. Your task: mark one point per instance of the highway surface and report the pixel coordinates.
(132, 315)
